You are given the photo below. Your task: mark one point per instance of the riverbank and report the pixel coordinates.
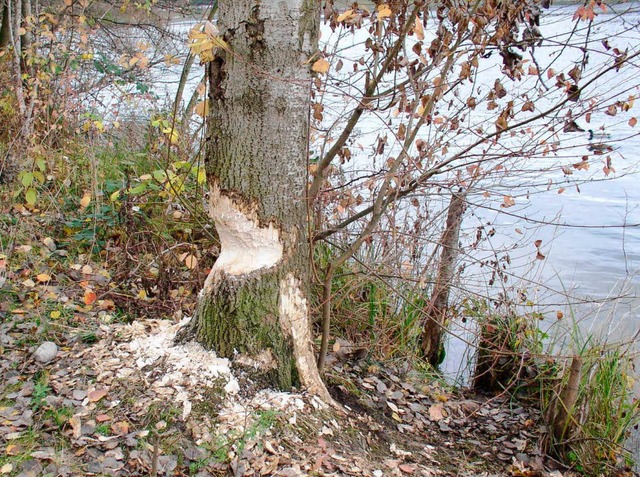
(115, 397)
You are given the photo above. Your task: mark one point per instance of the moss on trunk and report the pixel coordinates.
(240, 315)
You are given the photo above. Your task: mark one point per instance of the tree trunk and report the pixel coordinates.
(254, 302)
(5, 29)
(436, 312)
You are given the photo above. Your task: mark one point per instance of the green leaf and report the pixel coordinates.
(159, 175)
(27, 179)
(180, 164)
(30, 196)
(39, 176)
(139, 189)
(114, 196)
(42, 165)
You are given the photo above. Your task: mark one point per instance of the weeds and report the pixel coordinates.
(604, 413)
(589, 406)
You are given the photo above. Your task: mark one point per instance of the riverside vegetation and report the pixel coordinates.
(106, 243)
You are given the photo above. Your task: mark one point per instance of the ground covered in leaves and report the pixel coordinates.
(88, 390)
(130, 403)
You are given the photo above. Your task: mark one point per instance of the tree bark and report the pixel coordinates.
(5, 28)
(254, 302)
(436, 312)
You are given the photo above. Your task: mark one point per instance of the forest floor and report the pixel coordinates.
(114, 396)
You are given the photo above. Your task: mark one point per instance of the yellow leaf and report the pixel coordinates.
(43, 277)
(383, 11)
(13, 449)
(55, 314)
(321, 66)
(171, 59)
(344, 16)
(202, 108)
(144, 62)
(191, 261)
(205, 40)
(86, 200)
(418, 30)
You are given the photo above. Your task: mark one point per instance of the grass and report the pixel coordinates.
(103, 429)
(19, 450)
(604, 414)
(518, 359)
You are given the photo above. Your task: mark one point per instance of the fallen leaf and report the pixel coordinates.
(407, 468)
(96, 395)
(49, 243)
(76, 426)
(85, 201)
(191, 261)
(13, 449)
(120, 428)
(89, 297)
(102, 417)
(43, 277)
(437, 412)
(6, 469)
(633, 122)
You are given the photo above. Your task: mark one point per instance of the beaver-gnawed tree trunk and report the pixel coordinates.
(254, 301)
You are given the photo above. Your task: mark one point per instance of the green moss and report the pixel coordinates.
(241, 316)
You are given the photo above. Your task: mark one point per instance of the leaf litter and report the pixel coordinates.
(134, 403)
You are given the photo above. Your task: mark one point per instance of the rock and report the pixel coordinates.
(46, 352)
